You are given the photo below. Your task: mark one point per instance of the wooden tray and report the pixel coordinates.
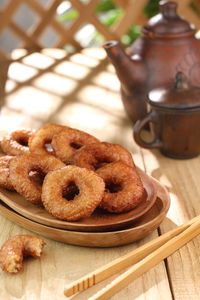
(98, 221)
(142, 227)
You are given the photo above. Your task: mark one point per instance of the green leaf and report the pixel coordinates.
(132, 35)
(152, 8)
(68, 16)
(111, 17)
(104, 6)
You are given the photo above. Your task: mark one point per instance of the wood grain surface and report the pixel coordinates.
(82, 91)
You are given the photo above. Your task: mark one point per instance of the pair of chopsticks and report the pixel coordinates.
(141, 260)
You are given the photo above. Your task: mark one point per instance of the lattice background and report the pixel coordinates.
(45, 12)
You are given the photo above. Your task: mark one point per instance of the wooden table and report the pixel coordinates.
(82, 91)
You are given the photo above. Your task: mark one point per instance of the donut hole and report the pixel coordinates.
(112, 186)
(37, 176)
(23, 141)
(75, 145)
(48, 147)
(70, 191)
(101, 162)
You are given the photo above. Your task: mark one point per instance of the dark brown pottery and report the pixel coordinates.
(174, 119)
(167, 46)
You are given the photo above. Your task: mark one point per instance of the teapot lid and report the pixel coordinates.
(167, 22)
(179, 96)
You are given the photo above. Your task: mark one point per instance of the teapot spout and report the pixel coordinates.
(130, 72)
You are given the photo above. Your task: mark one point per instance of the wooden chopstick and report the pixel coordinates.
(148, 262)
(131, 258)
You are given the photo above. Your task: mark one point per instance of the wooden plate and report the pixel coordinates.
(146, 224)
(98, 221)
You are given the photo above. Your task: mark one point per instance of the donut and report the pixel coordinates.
(16, 248)
(68, 141)
(96, 155)
(72, 193)
(16, 142)
(40, 142)
(4, 172)
(123, 187)
(22, 166)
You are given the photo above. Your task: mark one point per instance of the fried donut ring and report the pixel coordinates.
(4, 172)
(88, 194)
(66, 142)
(124, 189)
(17, 247)
(42, 137)
(94, 156)
(20, 168)
(5, 181)
(16, 142)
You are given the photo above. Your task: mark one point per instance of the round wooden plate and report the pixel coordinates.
(98, 221)
(142, 227)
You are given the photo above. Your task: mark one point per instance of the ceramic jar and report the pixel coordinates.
(174, 120)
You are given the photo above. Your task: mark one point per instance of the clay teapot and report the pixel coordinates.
(167, 46)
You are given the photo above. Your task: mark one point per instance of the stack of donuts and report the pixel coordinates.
(69, 172)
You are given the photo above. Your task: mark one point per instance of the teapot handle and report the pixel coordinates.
(139, 125)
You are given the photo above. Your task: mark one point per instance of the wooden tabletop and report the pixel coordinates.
(82, 91)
